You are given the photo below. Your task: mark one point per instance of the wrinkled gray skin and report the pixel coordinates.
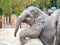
(56, 17)
(41, 26)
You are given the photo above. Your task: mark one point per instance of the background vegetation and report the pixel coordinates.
(8, 7)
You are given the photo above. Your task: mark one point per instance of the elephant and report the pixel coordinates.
(41, 26)
(33, 42)
(56, 17)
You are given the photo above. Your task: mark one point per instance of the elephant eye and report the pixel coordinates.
(34, 12)
(28, 16)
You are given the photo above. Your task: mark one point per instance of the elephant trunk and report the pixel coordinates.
(20, 19)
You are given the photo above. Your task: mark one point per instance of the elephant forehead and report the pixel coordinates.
(40, 19)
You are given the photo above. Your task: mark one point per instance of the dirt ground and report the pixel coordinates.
(7, 38)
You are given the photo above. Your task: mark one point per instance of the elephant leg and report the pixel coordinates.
(32, 32)
(27, 33)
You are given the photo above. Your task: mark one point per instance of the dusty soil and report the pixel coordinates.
(7, 38)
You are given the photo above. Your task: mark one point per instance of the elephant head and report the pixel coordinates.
(28, 16)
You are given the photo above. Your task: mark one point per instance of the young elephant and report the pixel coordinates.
(56, 17)
(41, 26)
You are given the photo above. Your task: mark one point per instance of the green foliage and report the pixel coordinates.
(58, 3)
(0, 11)
(5, 6)
(17, 6)
(13, 6)
(40, 3)
(48, 4)
(35, 3)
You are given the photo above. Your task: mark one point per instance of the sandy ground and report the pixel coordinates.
(7, 38)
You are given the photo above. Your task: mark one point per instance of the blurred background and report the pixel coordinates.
(11, 9)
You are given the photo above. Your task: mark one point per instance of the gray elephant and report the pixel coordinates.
(41, 26)
(56, 17)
